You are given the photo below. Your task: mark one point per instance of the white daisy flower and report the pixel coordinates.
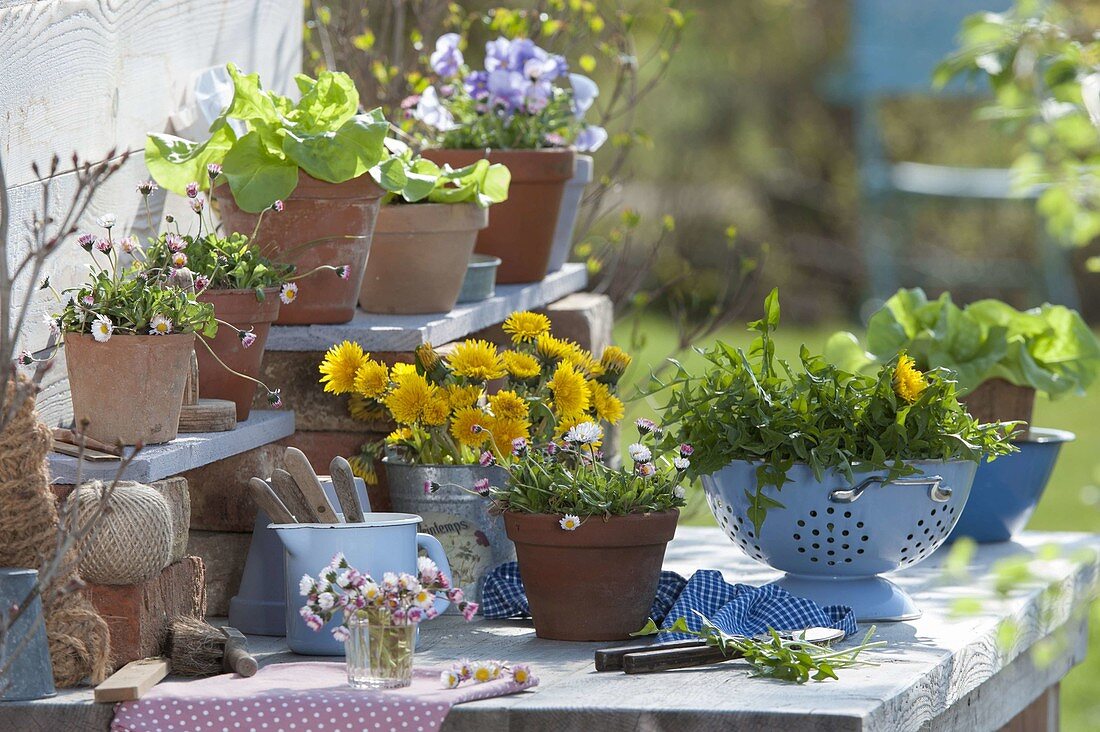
(449, 679)
(102, 328)
(54, 326)
(326, 600)
(107, 220)
(584, 433)
(289, 293)
(179, 259)
(639, 453)
(569, 522)
(160, 325)
(681, 463)
(679, 491)
(305, 584)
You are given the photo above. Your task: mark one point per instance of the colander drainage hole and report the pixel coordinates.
(815, 545)
(847, 514)
(813, 559)
(844, 532)
(830, 540)
(832, 563)
(801, 522)
(859, 551)
(815, 532)
(847, 560)
(859, 524)
(830, 510)
(798, 537)
(845, 546)
(904, 549)
(864, 538)
(813, 514)
(920, 522)
(801, 550)
(831, 553)
(909, 538)
(933, 513)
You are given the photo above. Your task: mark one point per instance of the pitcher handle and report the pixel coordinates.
(431, 545)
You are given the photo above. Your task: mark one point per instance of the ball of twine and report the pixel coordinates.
(78, 637)
(133, 541)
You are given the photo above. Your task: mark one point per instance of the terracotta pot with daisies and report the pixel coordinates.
(453, 436)
(590, 539)
(128, 338)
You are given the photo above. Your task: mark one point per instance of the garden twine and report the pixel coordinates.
(133, 542)
(78, 637)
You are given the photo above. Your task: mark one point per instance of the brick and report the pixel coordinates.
(220, 500)
(138, 615)
(322, 447)
(295, 372)
(223, 554)
(176, 491)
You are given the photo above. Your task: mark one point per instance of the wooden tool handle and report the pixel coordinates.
(266, 499)
(297, 464)
(287, 491)
(653, 661)
(69, 437)
(132, 680)
(611, 659)
(343, 480)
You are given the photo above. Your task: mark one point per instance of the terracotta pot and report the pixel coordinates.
(596, 583)
(419, 256)
(521, 229)
(316, 210)
(129, 388)
(997, 400)
(243, 310)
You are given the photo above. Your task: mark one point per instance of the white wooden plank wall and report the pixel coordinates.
(92, 75)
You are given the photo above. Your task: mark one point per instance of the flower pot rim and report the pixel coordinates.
(857, 466)
(128, 336)
(483, 261)
(237, 290)
(436, 466)
(1045, 435)
(411, 219)
(637, 515)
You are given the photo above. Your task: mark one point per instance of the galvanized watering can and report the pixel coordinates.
(384, 542)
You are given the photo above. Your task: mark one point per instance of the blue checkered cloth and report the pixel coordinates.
(736, 609)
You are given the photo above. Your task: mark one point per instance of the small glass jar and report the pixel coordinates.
(379, 656)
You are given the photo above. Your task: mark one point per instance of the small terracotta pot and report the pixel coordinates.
(243, 310)
(596, 583)
(129, 388)
(997, 400)
(419, 256)
(314, 211)
(521, 229)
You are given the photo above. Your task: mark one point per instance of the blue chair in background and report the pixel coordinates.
(894, 47)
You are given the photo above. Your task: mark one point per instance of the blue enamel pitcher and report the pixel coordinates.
(384, 542)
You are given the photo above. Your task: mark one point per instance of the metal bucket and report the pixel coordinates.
(481, 278)
(29, 675)
(475, 542)
(1007, 490)
(833, 538)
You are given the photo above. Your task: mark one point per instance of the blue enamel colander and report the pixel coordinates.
(833, 537)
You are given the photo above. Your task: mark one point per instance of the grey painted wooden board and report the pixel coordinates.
(396, 333)
(183, 453)
(938, 672)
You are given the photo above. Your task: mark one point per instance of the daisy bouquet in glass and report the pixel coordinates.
(397, 599)
(568, 477)
(524, 98)
(442, 405)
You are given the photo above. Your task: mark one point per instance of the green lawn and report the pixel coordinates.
(1071, 502)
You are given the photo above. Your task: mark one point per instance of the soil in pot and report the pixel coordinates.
(596, 583)
(419, 255)
(997, 400)
(129, 388)
(243, 310)
(521, 229)
(316, 227)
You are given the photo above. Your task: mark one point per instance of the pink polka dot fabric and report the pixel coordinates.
(292, 697)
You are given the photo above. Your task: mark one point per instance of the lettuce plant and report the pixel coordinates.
(1050, 348)
(412, 179)
(263, 139)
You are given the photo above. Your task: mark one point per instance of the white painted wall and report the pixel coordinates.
(89, 76)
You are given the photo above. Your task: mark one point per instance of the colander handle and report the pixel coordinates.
(937, 491)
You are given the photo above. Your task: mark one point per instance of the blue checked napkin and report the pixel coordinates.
(736, 609)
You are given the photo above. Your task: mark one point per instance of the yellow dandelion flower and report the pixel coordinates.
(477, 360)
(401, 434)
(583, 360)
(365, 410)
(526, 327)
(505, 430)
(427, 357)
(509, 405)
(363, 468)
(551, 348)
(339, 366)
(401, 369)
(409, 398)
(615, 360)
(521, 366)
(438, 408)
(909, 382)
(470, 427)
(607, 406)
(371, 379)
(463, 396)
(571, 396)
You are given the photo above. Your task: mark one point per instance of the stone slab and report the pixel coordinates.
(138, 615)
(181, 454)
(223, 554)
(939, 672)
(398, 333)
(220, 500)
